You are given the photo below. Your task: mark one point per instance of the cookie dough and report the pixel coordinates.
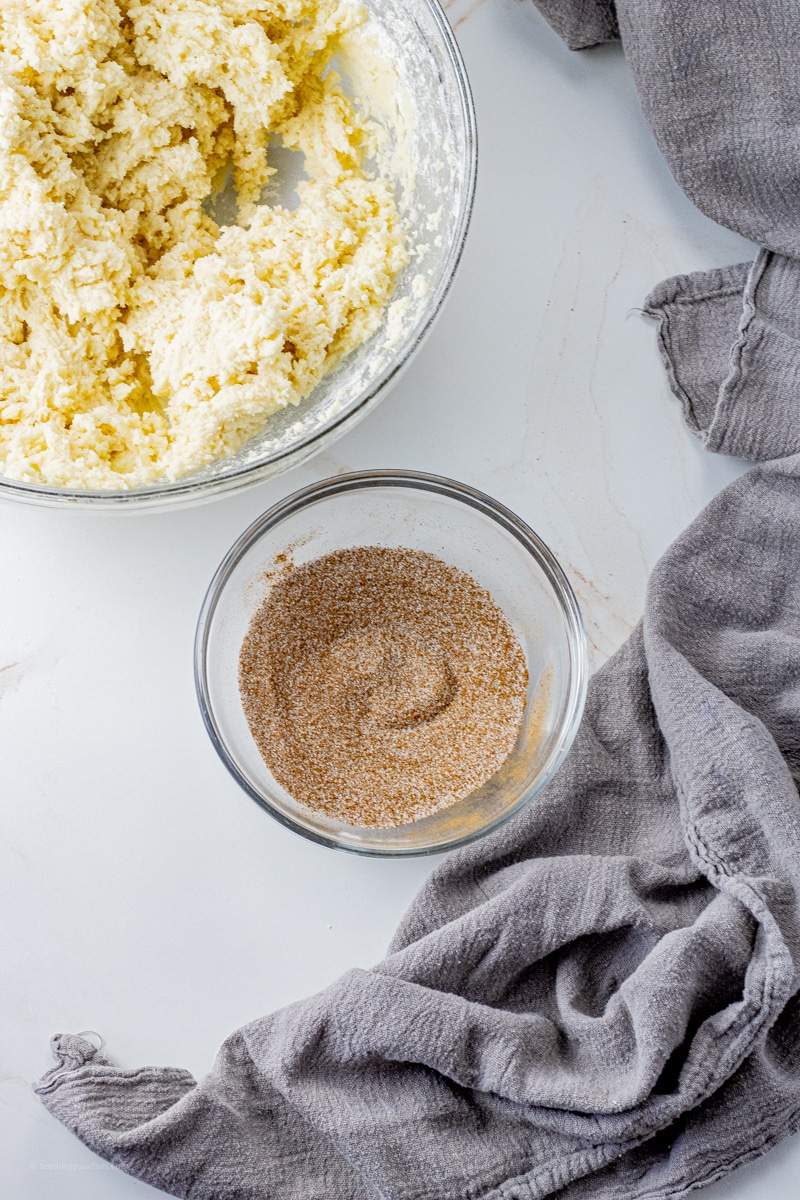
(140, 340)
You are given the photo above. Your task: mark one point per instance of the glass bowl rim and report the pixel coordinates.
(174, 493)
(438, 485)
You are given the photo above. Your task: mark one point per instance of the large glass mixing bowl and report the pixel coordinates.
(437, 159)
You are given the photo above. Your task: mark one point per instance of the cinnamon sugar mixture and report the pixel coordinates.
(381, 685)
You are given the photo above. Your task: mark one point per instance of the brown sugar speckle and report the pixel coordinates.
(381, 685)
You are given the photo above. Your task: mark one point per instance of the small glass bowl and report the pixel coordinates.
(467, 530)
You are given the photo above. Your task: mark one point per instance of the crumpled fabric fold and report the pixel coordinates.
(582, 23)
(730, 342)
(602, 998)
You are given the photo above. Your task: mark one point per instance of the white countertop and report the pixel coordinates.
(144, 895)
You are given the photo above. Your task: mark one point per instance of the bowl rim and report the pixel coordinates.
(174, 493)
(438, 485)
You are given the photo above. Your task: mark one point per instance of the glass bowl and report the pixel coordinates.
(467, 530)
(436, 161)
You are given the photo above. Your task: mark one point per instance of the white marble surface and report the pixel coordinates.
(143, 894)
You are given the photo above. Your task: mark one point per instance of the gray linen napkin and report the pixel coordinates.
(719, 82)
(600, 999)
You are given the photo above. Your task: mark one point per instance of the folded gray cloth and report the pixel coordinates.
(600, 999)
(719, 82)
(582, 23)
(730, 340)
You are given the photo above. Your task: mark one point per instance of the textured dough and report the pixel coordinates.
(138, 339)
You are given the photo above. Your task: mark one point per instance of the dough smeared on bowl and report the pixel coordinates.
(138, 339)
